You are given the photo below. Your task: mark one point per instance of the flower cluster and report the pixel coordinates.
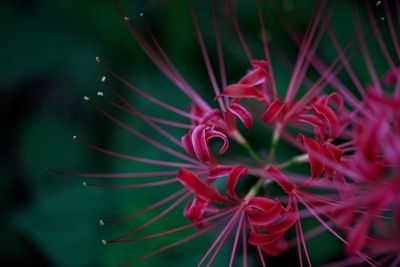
(348, 144)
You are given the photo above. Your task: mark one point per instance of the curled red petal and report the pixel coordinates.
(335, 99)
(330, 118)
(275, 174)
(391, 76)
(358, 236)
(242, 91)
(243, 114)
(261, 203)
(317, 167)
(259, 64)
(255, 77)
(288, 220)
(236, 172)
(201, 190)
(187, 144)
(273, 111)
(368, 137)
(275, 248)
(199, 143)
(212, 115)
(195, 209)
(197, 112)
(265, 216)
(258, 239)
(333, 150)
(230, 120)
(219, 171)
(210, 134)
(315, 122)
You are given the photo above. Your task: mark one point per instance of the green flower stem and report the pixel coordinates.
(243, 142)
(274, 143)
(252, 153)
(261, 180)
(303, 158)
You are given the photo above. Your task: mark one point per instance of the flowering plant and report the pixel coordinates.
(346, 141)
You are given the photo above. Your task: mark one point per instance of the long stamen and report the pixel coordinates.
(236, 241)
(239, 32)
(266, 51)
(206, 58)
(144, 185)
(219, 51)
(142, 136)
(153, 220)
(175, 244)
(181, 228)
(146, 209)
(143, 94)
(220, 236)
(139, 159)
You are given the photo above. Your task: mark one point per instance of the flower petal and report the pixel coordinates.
(213, 114)
(218, 171)
(264, 214)
(242, 91)
(210, 134)
(275, 248)
(255, 77)
(330, 118)
(195, 209)
(236, 172)
(187, 144)
(315, 122)
(273, 111)
(258, 239)
(275, 174)
(317, 167)
(358, 236)
(243, 114)
(335, 99)
(200, 144)
(201, 189)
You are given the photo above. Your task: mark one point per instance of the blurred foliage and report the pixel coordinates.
(47, 51)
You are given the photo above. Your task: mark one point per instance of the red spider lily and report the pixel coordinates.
(268, 220)
(350, 140)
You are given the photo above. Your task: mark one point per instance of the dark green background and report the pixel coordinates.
(47, 51)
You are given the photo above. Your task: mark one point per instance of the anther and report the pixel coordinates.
(84, 184)
(378, 3)
(141, 14)
(101, 222)
(86, 98)
(126, 18)
(97, 59)
(74, 137)
(103, 79)
(104, 242)
(100, 93)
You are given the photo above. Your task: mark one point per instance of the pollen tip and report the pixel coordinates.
(84, 184)
(141, 14)
(74, 137)
(86, 98)
(101, 222)
(378, 3)
(103, 79)
(104, 242)
(126, 18)
(97, 59)
(100, 93)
